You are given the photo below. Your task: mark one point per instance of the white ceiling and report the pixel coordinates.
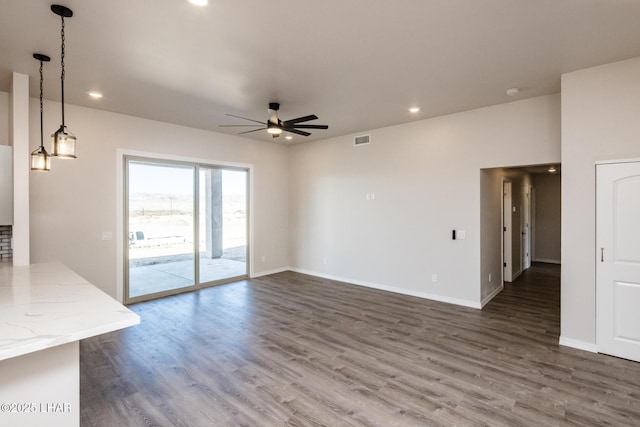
(356, 64)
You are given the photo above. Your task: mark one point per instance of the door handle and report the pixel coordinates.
(601, 254)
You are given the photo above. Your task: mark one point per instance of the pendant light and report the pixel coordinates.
(64, 142)
(40, 159)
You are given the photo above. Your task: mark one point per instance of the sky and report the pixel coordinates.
(175, 179)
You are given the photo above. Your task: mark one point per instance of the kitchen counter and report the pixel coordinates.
(45, 309)
(45, 305)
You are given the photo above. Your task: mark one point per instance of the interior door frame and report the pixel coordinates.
(121, 156)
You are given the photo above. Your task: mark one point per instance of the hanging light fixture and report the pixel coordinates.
(40, 159)
(64, 142)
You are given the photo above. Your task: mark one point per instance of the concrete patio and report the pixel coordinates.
(152, 275)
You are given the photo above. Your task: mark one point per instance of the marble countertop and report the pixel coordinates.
(45, 305)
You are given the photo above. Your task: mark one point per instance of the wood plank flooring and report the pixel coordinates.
(291, 349)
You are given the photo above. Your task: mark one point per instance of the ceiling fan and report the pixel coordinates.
(275, 126)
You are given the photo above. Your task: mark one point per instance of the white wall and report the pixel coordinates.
(490, 232)
(19, 137)
(548, 214)
(600, 121)
(4, 118)
(74, 203)
(426, 179)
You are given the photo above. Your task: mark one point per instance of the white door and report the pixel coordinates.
(618, 260)
(532, 224)
(526, 236)
(507, 240)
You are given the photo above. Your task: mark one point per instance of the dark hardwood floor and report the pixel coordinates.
(290, 349)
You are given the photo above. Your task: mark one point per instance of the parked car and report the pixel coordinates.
(139, 239)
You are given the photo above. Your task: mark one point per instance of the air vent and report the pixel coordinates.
(362, 140)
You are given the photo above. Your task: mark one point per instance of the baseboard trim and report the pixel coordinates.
(268, 272)
(515, 276)
(492, 295)
(548, 261)
(380, 287)
(580, 345)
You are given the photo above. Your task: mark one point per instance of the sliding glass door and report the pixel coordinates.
(176, 241)
(223, 224)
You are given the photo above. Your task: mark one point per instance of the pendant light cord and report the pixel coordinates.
(41, 91)
(62, 63)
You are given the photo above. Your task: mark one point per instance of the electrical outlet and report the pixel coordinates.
(264, 258)
(489, 277)
(434, 278)
(107, 235)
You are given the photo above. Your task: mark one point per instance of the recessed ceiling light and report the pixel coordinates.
(552, 169)
(95, 94)
(199, 2)
(414, 110)
(289, 137)
(513, 91)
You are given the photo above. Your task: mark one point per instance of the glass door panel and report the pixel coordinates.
(160, 228)
(222, 224)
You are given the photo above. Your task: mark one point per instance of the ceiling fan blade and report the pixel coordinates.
(235, 126)
(299, 132)
(300, 120)
(310, 127)
(252, 130)
(244, 118)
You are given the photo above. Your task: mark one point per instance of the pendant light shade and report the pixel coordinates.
(40, 159)
(64, 142)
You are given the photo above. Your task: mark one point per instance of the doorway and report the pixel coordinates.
(539, 220)
(185, 226)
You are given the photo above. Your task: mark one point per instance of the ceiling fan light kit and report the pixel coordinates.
(275, 126)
